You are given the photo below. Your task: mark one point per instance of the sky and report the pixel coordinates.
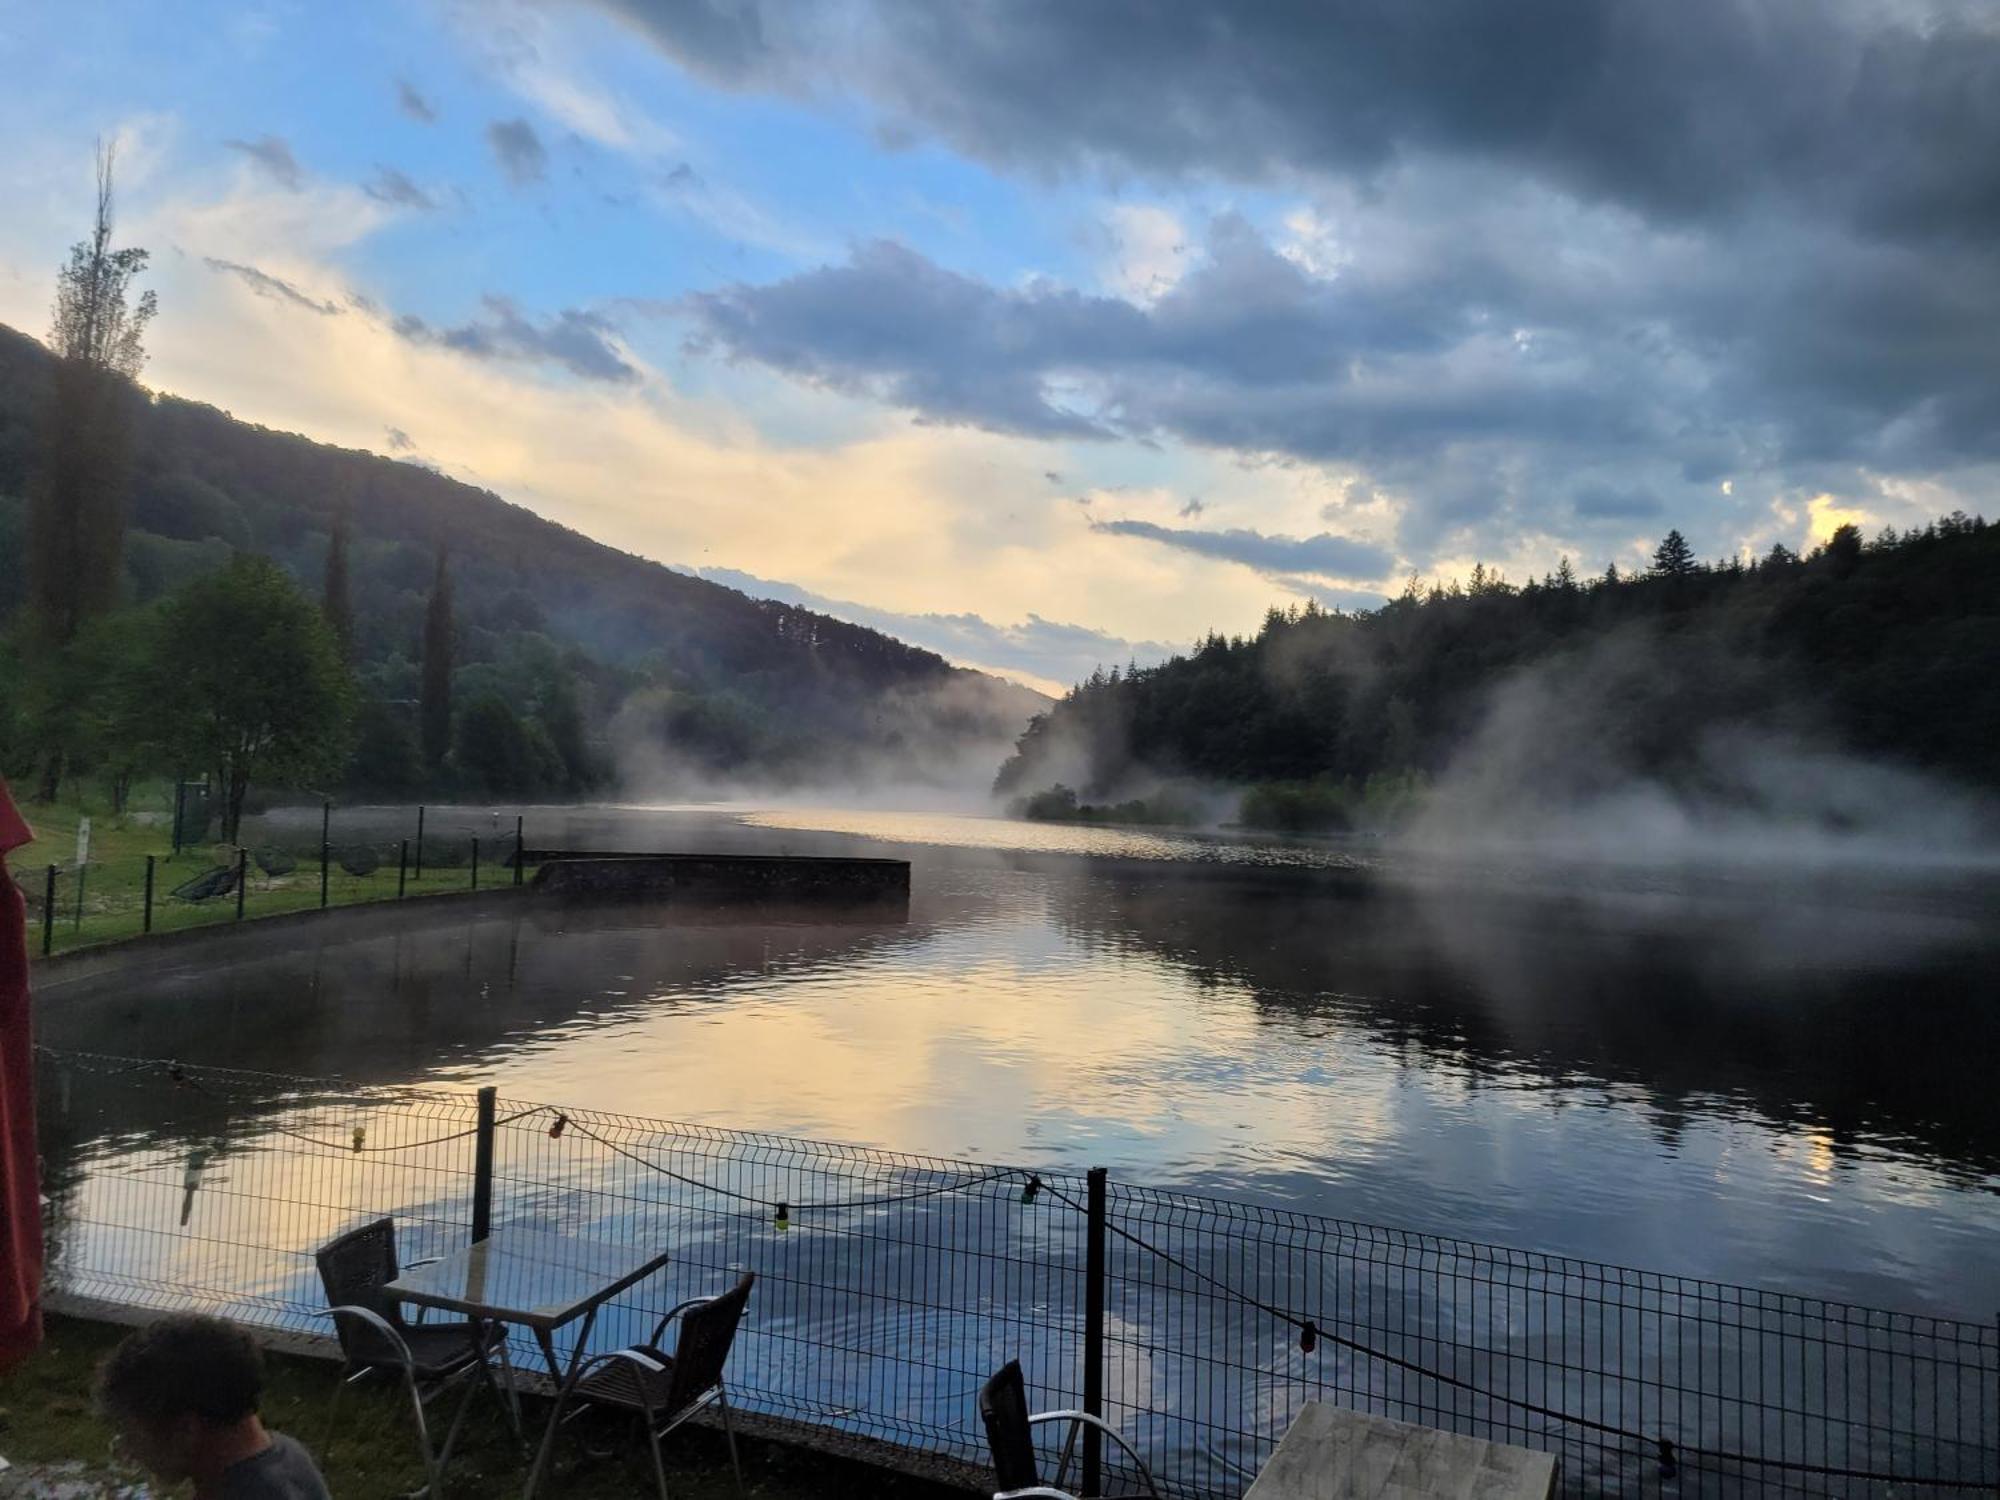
(1050, 334)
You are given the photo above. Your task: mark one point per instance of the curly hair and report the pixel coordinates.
(183, 1364)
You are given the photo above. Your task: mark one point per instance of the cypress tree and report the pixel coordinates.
(434, 712)
(334, 602)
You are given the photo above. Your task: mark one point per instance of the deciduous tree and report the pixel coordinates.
(247, 668)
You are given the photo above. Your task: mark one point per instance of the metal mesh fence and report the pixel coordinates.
(136, 879)
(891, 1285)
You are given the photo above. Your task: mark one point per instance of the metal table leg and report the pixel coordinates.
(566, 1383)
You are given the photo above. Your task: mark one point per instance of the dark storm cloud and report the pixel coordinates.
(1337, 556)
(414, 104)
(266, 285)
(579, 341)
(392, 186)
(274, 156)
(1876, 112)
(520, 152)
(1248, 351)
(1603, 501)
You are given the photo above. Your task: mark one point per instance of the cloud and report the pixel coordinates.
(1191, 509)
(266, 285)
(581, 342)
(1501, 264)
(273, 155)
(1463, 375)
(520, 152)
(391, 186)
(1044, 654)
(1872, 114)
(1336, 556)
(398, 440)
(414, 104)
(1599, 501)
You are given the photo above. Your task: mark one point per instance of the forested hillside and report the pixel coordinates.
(1557, 689)
(616, 663)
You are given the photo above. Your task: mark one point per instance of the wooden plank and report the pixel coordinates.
(1331, 1454)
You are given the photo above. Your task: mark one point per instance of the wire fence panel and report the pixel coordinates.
(1227, 1318)
(137, 881)
(890, 1286)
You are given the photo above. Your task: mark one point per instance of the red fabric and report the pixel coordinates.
(20, 1175)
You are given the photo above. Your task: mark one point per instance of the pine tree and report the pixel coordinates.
(1673, 558)
(1565, 577)
(434, 709)
(334, 602)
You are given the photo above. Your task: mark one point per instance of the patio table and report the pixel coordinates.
(1332, 1454)
(535, 1280)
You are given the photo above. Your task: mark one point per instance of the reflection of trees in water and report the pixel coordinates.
(1871, 1022)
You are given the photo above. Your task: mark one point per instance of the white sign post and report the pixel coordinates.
(82, 861)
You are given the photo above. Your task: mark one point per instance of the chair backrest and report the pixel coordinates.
(1003, 1403)
(707, 1332)
(353, 1269)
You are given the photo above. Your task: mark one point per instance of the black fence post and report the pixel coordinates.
(518, 861)
(325, 845)
(475, 861)
(180, 802)
(482, 1169)
(420, 844)
(402, 867)
(242, 878)
(1093, 1334)
(146, 920)
(49, 913)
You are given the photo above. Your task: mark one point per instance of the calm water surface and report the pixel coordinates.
(1781, 1081)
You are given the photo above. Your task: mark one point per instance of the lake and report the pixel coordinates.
(1748, 1074)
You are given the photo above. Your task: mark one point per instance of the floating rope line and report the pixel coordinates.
(1669, 1454)
(356, 1144)
(783, 1209)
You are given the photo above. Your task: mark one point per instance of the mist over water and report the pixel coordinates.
(1566, 764)
(1780, 1082)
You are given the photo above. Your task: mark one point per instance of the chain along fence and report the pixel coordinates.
(890, 1286)
(337, 858)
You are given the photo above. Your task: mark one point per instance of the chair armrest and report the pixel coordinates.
(660, 1328)
(1080, 1419)
(380, 1324)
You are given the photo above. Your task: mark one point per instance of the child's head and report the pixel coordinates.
(174, 1387)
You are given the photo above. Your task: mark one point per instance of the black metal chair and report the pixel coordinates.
(1010, 1435)
(427, 1358)
(666, 1390)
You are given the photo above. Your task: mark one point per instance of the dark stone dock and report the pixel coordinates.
(721, 879)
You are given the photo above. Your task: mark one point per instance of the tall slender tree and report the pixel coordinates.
(434, 711)
(76, 505)
(334, 601)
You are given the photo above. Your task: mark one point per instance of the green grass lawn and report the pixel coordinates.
(114, 883)
(46, 1421)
